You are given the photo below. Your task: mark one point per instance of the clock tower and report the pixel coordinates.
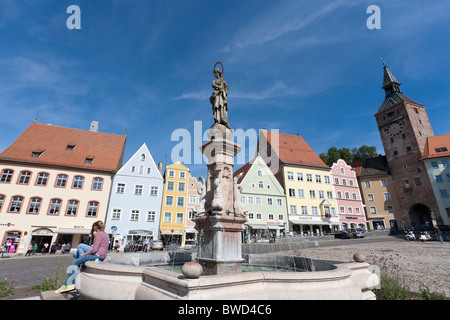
(404, 128)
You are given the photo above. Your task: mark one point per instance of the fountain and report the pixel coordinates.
(215, 271)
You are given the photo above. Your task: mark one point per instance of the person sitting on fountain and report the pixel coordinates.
(98, 252)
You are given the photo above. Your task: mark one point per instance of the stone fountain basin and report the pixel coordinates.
(131, 281)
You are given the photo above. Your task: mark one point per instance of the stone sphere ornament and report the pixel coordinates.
(359, 257)
(192, 270)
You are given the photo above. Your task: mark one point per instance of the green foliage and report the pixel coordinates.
(334, 154)
(6, 288)
(394, 282)
(53, 283)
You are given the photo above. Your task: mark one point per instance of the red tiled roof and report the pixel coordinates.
(244, 169)
(105, 149)
(435, 146)
(357, 165)
(293, 149)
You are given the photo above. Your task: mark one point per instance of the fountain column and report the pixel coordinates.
(220, 216)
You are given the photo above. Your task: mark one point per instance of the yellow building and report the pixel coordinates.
(306, 180)
(173, 208)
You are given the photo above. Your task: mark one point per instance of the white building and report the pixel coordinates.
(437, 162)
(135, 203)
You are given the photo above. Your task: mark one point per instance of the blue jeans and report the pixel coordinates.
(82, 248)
(79, 261)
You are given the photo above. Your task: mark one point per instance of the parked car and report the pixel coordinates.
(156, 245)
(357, 233)
(344, 234)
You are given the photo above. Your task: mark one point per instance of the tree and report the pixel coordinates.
(334, 154)
(364, 152)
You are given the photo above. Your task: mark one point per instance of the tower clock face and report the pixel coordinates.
(395, 129)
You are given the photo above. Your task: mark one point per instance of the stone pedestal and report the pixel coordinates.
(219, 224)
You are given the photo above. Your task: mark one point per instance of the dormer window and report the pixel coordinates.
(37, 153)
(89, 160)
(70, 147)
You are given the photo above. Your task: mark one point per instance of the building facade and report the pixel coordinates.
(54, 184)
(134, 210)
(348, 196)
(306, 180)
(436, 160)
(378, 194)
(193, 199)
(265, 199)
(173, 208)
(404, 128)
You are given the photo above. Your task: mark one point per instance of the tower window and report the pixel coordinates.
(408, 148)
(395, 153)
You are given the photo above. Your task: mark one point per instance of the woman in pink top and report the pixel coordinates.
(99, 251)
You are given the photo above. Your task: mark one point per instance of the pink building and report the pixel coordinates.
(348, 196)
(192, 203)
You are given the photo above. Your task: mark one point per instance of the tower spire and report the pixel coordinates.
(390, 83)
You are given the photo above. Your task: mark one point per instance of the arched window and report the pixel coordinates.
(72, 208)
(61, 181)
(34, 206)
(143, 157)
(16, 204)
(24, 177)
(92, 209)
(6, 175)
(78, 182)
(97, 184)
(42, 179)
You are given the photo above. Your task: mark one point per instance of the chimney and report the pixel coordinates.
(160, 167)
(94, 126)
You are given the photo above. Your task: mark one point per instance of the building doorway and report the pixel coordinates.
(41, 236)
(420, 216)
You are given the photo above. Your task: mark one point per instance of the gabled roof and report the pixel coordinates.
(249, 170)
(244, 169)
(147, 162)
(395, 98)
(293, 149)
(437, 146)
(44, 144)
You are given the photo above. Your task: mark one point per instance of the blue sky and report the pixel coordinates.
(308, 67)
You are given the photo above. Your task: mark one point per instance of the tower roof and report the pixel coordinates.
(388, 79)
(391, 86)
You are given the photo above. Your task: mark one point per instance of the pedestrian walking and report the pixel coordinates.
(439, 235)
(3, 249)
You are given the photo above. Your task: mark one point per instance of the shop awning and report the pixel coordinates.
(73, 231)
(310, 221)
(265, 226)
(177, 232)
